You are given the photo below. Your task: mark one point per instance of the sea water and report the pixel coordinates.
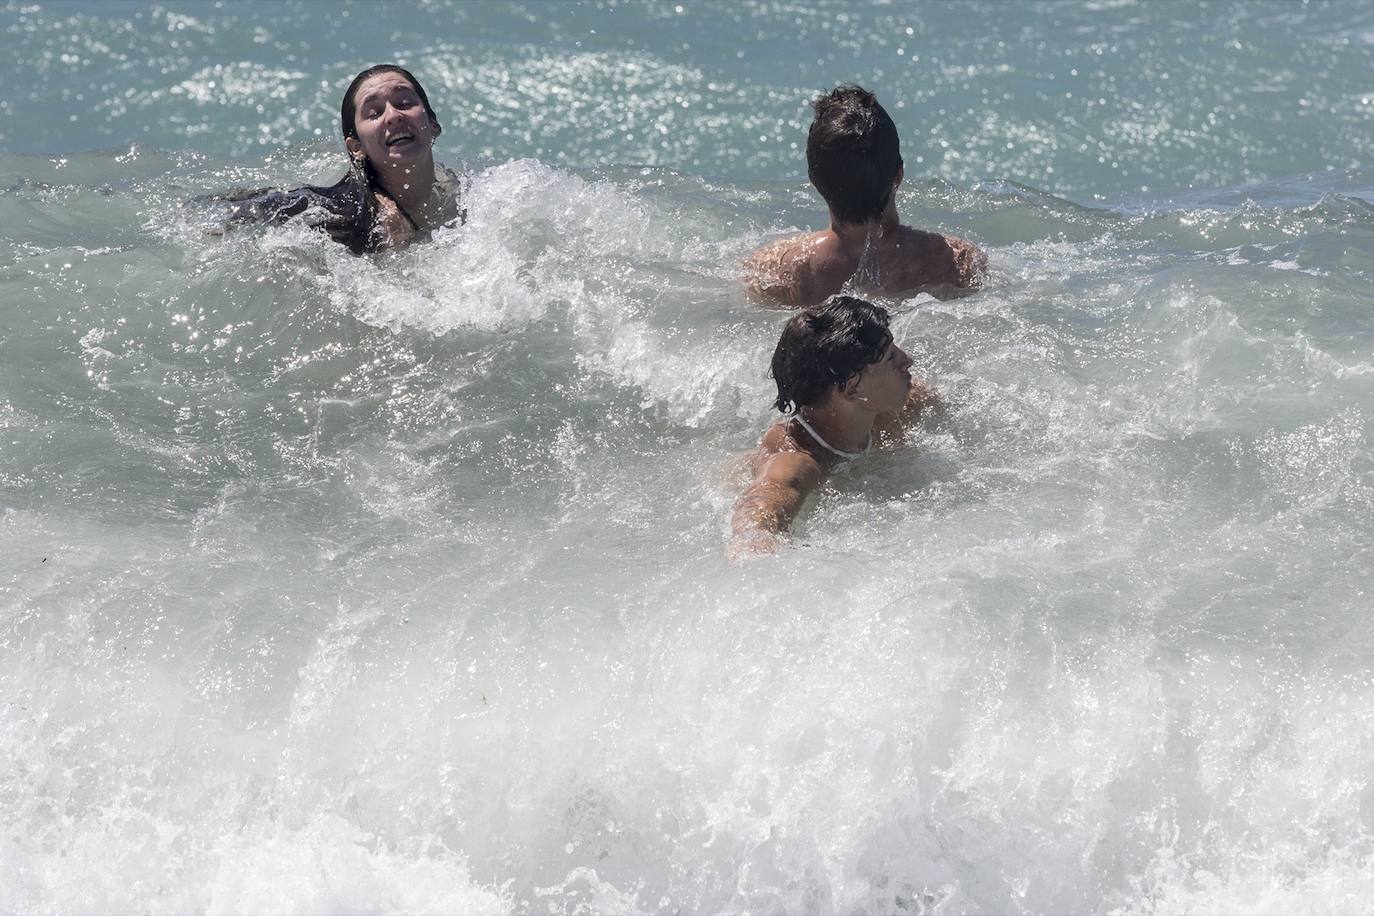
(397, 583)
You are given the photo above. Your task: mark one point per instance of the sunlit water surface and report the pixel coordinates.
(398, 583)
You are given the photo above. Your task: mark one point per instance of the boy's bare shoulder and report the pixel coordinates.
(942, 263)
(789, 271)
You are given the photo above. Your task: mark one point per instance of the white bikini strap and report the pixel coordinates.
(826, 445)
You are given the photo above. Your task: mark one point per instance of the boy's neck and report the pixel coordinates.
(857, 235)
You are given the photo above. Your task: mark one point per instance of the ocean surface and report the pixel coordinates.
(397, 583)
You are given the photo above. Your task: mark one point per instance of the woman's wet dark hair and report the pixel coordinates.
(349, 205)
(852, 153)
(354, 191)
(826, 346)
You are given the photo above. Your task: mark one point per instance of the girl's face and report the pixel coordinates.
(885, 385)
(394, 130)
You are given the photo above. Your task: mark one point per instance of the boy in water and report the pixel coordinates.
(853, 160)
(844, 385)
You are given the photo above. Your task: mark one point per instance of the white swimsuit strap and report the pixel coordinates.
(826, 445)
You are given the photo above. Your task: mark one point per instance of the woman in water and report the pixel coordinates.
(393, 193)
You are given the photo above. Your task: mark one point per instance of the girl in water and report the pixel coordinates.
(393, 193)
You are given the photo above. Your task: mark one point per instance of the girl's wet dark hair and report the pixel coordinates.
(852, 153)
(826, 346)
(354, 191)
(349, 205)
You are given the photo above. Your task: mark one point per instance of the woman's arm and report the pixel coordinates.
(767, 508)
(340, 210)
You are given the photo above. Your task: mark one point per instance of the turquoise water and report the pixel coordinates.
(1104, 98)
(398, 584)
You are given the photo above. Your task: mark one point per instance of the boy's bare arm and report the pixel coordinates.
(970, 262)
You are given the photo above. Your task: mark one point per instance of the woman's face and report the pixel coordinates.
(884, 385)
(394, 130)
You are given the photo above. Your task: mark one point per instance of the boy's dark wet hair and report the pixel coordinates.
(826, 346)
(852, 153)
